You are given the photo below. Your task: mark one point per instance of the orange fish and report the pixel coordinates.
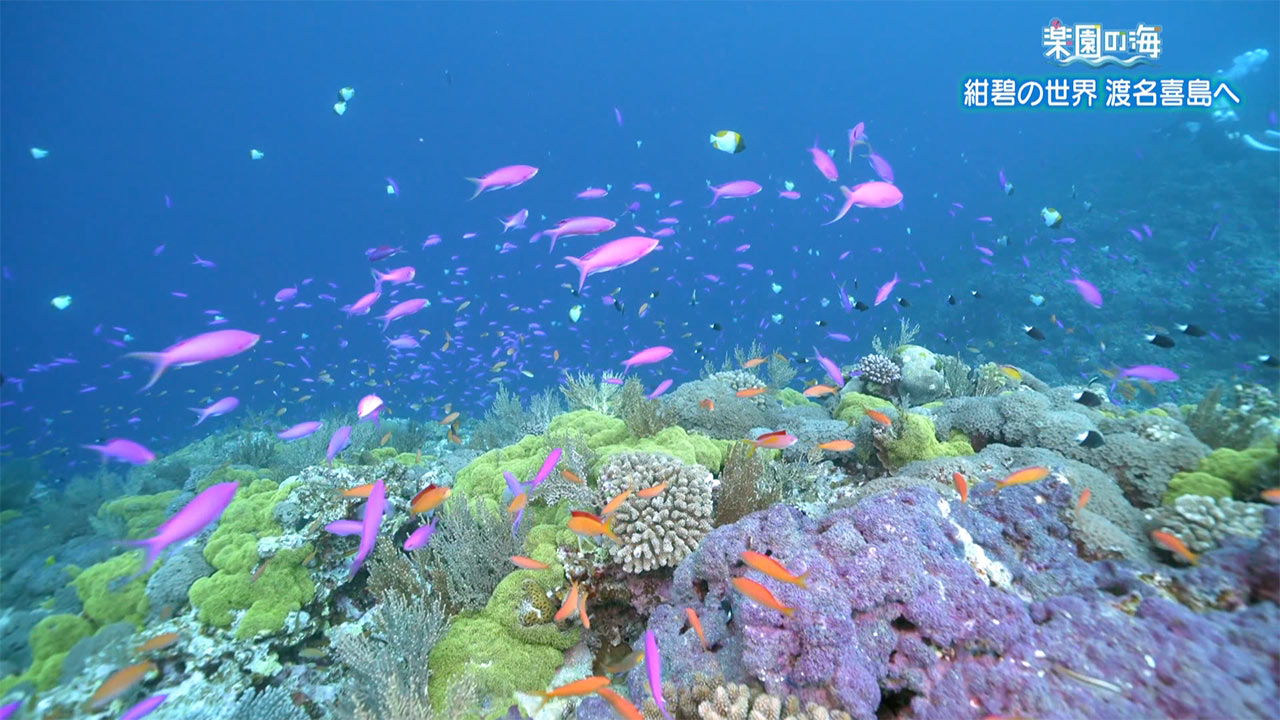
(777, 440)
(429, 499)
(651, 492)
(361, 491)
(1174, 544)
(449, 418)
(879, 417)
(751, 392)
(159, 642)
(571, 476)
(453, 437)
(760, 594)
(528, 563)
(569, 605)
(620, 704)
(1272, 495)
(582, 609)
(962, 486)
(120, 682)
(707, 404)
(588, 525)
(1084, 499)
(1024, 476)
(585, 686)
(615, 503)
(625, 664)
(555, 356)
(753, 362)
(696, 624)
(841, 445)
(818, 391)
(518, 504)
(773, 568)
(385, 438)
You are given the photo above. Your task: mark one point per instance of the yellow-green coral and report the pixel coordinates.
(1226, 473)
(107, 593)
(853, 406)
(916, 439)
(284, 584)
(141, 514)
(1196, 483)
(50, 641)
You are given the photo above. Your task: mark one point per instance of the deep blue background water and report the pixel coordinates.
(139, 101)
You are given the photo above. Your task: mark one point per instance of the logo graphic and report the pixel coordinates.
(1094, 46)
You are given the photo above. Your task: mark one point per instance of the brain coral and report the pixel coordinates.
(659, 531)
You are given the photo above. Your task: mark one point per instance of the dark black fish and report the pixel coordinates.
(860, 306)
(617, 305)
(655, 293)
(1088, 398)
(1270, 361)
(727, 607)
(716, 326)
(1034, 333)
(951, 299)
(1192, 330)
(1158, 340)
(903, 302)
(820, 323)
(1090, 439)
(976, 295)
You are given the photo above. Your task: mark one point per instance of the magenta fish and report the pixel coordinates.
(503, 178)
(875, 194)
(369, 406)
(408, 307)
(382, 252)
(883, 293)
(1150, 373)
(857, 136)
(548, 465)
(123, 450)
(399, 276)
(203, 510)
(144, 708)
(833, 370)
(338, 442)
(882, 168)
(611, 256)
(362, 306)
(301, 430)
(420, 537)
(653, 669)
(286, 294)
(648, 356)
(789, 194)
(222, 407)
(371, 523)
(1087, 291)
(592, 193)
(735, 189)
(199, 349)
(515, 222)
(587, 225)
(823, 162)
(662, 387)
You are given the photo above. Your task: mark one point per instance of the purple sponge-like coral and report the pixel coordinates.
(919, 607)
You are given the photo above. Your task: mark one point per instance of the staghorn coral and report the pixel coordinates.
(659, 531)
(508, 420)
(906, 333)
(957, 375)
(470, 553)
(254, 448)
(584, 392)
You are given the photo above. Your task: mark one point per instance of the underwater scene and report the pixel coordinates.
(707, 360)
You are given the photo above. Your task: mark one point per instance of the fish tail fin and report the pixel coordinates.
(158, 361)
(377, 280)
(152, 547)
(554, 237)
(582, 270)
(752, 451)
(788, 611)
(803, 580)
(479, 187)
(200, 412)
(608, 531)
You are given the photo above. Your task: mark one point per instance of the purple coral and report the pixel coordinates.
(878, 369)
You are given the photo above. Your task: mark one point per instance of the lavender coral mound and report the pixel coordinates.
(919, 606)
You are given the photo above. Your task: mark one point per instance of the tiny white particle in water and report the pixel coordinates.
(1150, 660)
(1039, 653)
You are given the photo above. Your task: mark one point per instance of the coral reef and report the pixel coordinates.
(658, 531)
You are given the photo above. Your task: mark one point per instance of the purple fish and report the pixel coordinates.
(420, 537)
(833, 370)
(1150, 373)
(123, 450)
(662, 387)
(300, 430)
(587, 225)
(881, 166)
(647, 356)
(199, 349)
(611, 256)
(883, 293)
(503, 178)
(361, 306)
(286, 294)
(515, 222)
(408, 307)
(823, 162)
(1087, 291)
(7, 711)
(144, 708)
(372, 521)
(592, 193)
(338, 442)
(548, 465)
(857, 136)
(399, 276)
(513, 483)
(222, 407)
(382, 252)
(735, 189)
(653, 668)
(203, 510)
(404, 342)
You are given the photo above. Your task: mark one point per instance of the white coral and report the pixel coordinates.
(659, 531)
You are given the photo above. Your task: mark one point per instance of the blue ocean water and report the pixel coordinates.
(149, 113)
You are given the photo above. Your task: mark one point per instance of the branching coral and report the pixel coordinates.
(658, 531)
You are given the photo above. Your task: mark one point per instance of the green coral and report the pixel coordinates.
(790, 397)
(1242, 468)
(497, 648)
(853, 406)
(141, 514)
(915, 438)
(408, 459)
(284, 584)
(50, 641)
(228, 474)
(383, 454)
(1196, 483)
(109, 598)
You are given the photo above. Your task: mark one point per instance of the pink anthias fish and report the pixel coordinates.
(592, 193)
(123, 450)
(549, 464)
(735, 189)
(653, 669)
(872, 194)
(301, 430)
(368, 527)
(833, 370)
(369, 405)
(1150, 373)
(503, 178)
(399, 276)
(188, 522)
(199, 349)
(611, 256)
(823, 162)
(144, 708)
(404, 342)
(1087, 291)
(222, 407)
(585, 225)
(420, 537)
(515, 222)
(362, 306)
(857, 136)
(286, 294)
(662, 387)
(408, 307)
(881, 166)
(883, 293)
(789, 194)
(648, 356)
(338, 442)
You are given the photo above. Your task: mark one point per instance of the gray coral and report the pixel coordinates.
(1203, 522)
(659, 531)
(879, 369)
